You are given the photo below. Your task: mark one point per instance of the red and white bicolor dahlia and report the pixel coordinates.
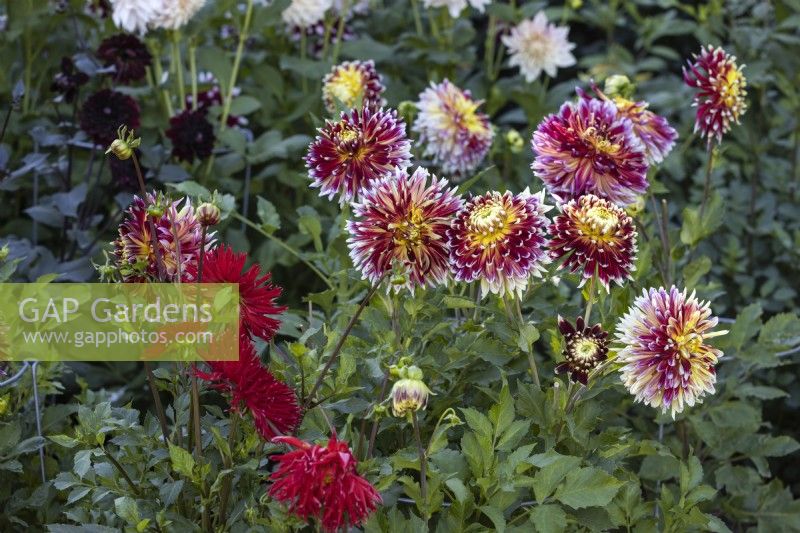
(352, 84)
(584, 349)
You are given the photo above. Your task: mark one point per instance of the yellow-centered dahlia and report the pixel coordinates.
(584, 348)
(595, 237)
(352, 84)
(401, 226)
(499, 239)
(666, 361)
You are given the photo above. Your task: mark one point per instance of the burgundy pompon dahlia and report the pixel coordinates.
(499, 239)
(584, 348)
(127, 54)
(594, 237)
(401, 225)
(67, 81)
(252, 388)
(256, 294)
(666, 361)
(104, 112)
(589, 147)
(322, 482)
(721, 91)
(361, 147)
(192, 135)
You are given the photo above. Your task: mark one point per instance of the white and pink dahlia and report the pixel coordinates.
(455, 7)
(596, 238)
(400, 226)
(455, 134)
(362, 146)
(305, 13)
(352, 84)
(666, 361)
(536, 45)
(499, 239)
(589, 147)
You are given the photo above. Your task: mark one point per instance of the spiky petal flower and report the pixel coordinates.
(135, 16)
(305, 13)
(666, 361)
(588, 147)
(323, 483)
(127, 54)
(720, 98)
(363, 146)
(401, 225)
(499, 238)
(536, 45)
(252, 388)
(178, 243)
(353, 84)
(256, 294)
(104, 112)
(584, 348)
(174, 14)
(452, 129)
(594, 237)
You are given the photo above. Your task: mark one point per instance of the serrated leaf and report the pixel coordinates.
(64, 440)
(268, 215)
(182, 461)
(587, 487)
(127, 509)
(548, 477)
(549, 518)
(496, 516)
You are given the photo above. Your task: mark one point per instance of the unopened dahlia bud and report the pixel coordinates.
(124, 144)
(155, 211)
(637, 207)
(410, 394)
(515, 141)
(208, 214)
(619, 86)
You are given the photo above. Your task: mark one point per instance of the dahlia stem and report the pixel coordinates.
(121, 470)
(423, 466)
(177, 64)
(340, 343)
(303, 54)
(158, 72)
(590, 301)
(162, 418)
(417, 18)
(228, 463)
(237, 62)
(286, 247)
(340, 31)
(193, 71)
(156, 248)
(707, 186)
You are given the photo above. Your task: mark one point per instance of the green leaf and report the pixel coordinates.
(182, 461)
(549, 476)
(496, 516)
(478, 422)
(169, 492)
(268, 215)
(126, 508)
(781, 331)
(190, 188)
(64, 440)
(214, 59)
(549, 518)
(244, 105)
(457, 302)
(528, 334)
(744, 328)
(309, 224)
(77, 493)
(459, 490)
(659, 467)
(587, 487)
(501, 414)
(82, 463)
(696, 270)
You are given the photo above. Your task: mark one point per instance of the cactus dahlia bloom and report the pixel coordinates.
(536, 45)
(352, 84)
(305, 13)
(322, 482)
(361, 147)
(720, 99)
(584, 348)
(589, 147)
(454, 133)
(402, 224)
(596, 237)
(178, 243)
(666, 361)
(174, 14)
(499, 238)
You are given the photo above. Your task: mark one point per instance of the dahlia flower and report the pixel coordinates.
(135, 257)
(402, 224)
(409, 394)
(252, 388)
(192, 135)
(536, 46)
(174, 14)
(455, 7)
(257, 295)
(596, 237)
(720, 99)
(305, 13)
(323, 483)
(68, 81)
(104, 112)
(588, 147)
(454, 133)
(584, 348)
(666, 361)
(363, 146)
(135, 16)
(499, 238)
(352, 84)
(127, 54)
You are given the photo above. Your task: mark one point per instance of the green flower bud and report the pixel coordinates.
(575, 4)
(124, 144)
(208, 214)
(409, 394)
(515, 141)
(155, 211)
(619, 86)
(4, 252)
(636, 207)
(407, 110)
(4, 404)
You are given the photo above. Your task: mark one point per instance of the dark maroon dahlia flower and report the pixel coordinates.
(192, 135)
(67, 81)
(127, 54)
(104, 112)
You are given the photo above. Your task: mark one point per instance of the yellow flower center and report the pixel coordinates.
(347, 87)
(599, 142)
(410, 232)
(599, 223)
(489, 223)
(585, 349)
(731, 89)
(465, 112)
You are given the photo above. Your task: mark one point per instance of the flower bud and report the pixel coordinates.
(4, 252)
(208, 214)
(619, 86)
(636, 207)
(409, 394)
(515, 141)
(155, 211)
(4, 403)
(124, 144)
(407, 110)
(575, 4)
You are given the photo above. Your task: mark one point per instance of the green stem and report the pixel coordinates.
(237, 62)
(589, 302)
(177, 65)
(417, 18)
(707, 185)
(340, 31)
(193, 72)
(158, 72)
(228, 463)
(286, 247)
(423, 466)
(121, 470)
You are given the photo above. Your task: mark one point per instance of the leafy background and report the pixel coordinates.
(512, 457)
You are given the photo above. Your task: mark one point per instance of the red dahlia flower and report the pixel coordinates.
(272, 404)
(589, 147)
(322, 482)
(363, 146)
(256, 295)
(595, 237)
(720, 99)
